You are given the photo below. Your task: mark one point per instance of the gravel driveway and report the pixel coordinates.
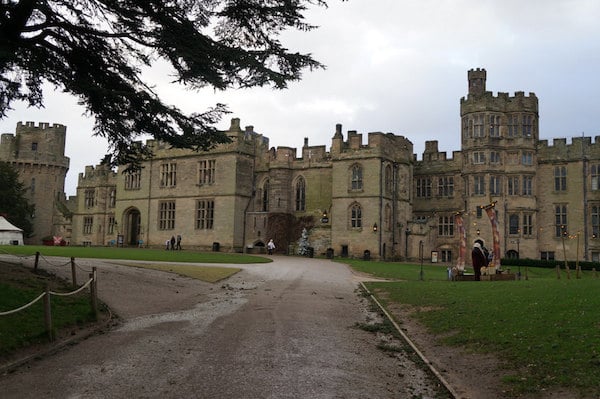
(279, 330)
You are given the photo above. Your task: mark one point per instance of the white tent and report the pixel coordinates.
(9, 234)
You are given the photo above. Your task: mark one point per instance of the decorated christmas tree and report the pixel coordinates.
(303, 243)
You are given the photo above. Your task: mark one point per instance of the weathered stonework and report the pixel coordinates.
(37, 153)
(360, 198)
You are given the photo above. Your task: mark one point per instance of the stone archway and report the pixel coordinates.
(133, 221)
(512, 254)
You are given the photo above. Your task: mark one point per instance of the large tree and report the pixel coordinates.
(13, 202)
(96, 49)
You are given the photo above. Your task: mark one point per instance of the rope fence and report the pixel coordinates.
(20, 257)
(24, 306)
(38, 256)
(558, 272)
(91, 283)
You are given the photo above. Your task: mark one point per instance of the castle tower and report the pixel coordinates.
(477, 81)
(38, 155)
(499, 138)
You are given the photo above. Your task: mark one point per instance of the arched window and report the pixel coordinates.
(112, 198)
(513, 223)
(388, 217)
(300, 194)
(388, 179)
(356, 182)
(265, 196)
(355, 216)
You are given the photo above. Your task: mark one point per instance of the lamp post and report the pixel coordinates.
(564, 235)
(407, 231)
(421, 256)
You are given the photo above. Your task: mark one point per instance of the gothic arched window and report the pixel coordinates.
(300, 194)
(355, 216)
(265, 196)
(356, 178)
(388, 179)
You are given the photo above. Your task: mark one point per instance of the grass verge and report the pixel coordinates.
(144, 254)
(545, 329)
(210, 274)
(19, 286)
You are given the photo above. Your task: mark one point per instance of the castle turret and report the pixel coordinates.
(338, 140)
(38, 155)
(499, 156)
(477, 79)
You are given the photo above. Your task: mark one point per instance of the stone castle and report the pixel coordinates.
(38, 155)
(373, 199)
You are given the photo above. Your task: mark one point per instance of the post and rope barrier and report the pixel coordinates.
(46, 295)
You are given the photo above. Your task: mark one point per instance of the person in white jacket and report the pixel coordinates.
(270, 246)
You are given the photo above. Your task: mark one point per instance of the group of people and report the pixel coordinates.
(480, 256)
(173, 243)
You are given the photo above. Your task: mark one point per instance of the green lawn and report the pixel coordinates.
(546, 328)
(18, 287)
(146, 254)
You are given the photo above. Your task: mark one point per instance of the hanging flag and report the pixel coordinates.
(462, 249)
(491, 212)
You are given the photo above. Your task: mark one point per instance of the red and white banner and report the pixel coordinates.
(491, 212)
(462, 249)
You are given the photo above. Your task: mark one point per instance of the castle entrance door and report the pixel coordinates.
(132, 226)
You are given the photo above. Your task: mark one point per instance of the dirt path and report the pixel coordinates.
(279, 330)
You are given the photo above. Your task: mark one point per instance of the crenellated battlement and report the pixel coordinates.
(436, 162)
(503, 102)
(578, 149)
(39, 144)
(481, 100)
(31, 126)
(432, 153)
(243, 141)
(387, 145)
(97, 175)
(287, 156)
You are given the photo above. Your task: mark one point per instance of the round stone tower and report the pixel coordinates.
(38, 155)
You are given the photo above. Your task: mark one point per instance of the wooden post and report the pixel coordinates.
(563, 232)
(73, 272)
(94, 293)
(48, 314)
(577, 267)
(37, 260)
(558, 271)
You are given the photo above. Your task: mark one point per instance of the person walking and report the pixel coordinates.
(178, 242)
(479, 260)
(486, 252)
(270, 246)
(172, 243)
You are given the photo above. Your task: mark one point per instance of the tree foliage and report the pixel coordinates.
(96, 50)
(13, 203)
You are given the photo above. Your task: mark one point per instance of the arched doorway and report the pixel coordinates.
(512, 254)
(132, 226)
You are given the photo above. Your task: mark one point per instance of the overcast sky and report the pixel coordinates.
(396, 66)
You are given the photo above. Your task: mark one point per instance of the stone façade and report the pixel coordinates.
(360, 197)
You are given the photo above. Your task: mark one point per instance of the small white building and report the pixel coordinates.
(9, 234)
